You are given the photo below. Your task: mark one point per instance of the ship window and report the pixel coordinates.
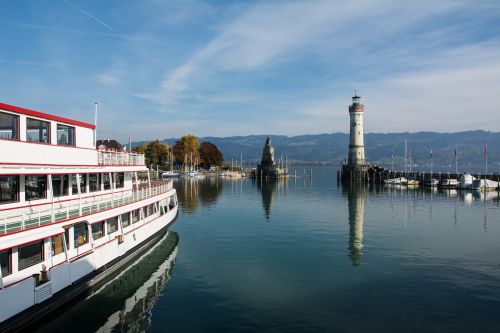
(60, 185)
(171, 203)
(37, 130)
(149, 210)
(36, 187)
(30, 254)
(97, 230)
(65, 135)
(125, 220)
(9, 126)
(119, 178)
(9, 189)
(94, 182)
(83, 184)
(107, 181)
(5, 258)
(112, 224)
(136, 216)
(66, 237)
(57, 244)
(81, 234)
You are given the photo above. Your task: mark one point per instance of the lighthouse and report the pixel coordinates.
(356, 167)
(356, 141)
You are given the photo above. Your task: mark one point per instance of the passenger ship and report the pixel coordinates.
(71, 213)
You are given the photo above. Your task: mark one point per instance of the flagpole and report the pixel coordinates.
(95, 123)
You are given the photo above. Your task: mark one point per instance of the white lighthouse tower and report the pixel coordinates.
(356, 141)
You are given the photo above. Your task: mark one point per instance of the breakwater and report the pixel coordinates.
(379, 175)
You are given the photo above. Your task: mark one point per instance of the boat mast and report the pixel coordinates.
(406, 150)
(486, 160)
(431, 163)
(171, 153)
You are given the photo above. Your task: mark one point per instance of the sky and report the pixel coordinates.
(163, 69)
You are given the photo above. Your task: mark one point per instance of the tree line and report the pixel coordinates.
(187, 151)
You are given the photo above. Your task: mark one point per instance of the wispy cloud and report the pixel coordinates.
(88, 14)
(30, 63)
(107, 78)
(271, 34)
(69, 30)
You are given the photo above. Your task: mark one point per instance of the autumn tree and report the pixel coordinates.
(187, 148)
(210, 155)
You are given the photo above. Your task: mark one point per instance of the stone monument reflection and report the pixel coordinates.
(268, 189)
(355, 194)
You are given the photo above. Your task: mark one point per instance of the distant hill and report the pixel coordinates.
(380, 148)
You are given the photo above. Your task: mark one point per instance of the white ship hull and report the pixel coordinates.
(83, 270)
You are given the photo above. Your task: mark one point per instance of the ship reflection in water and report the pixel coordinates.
(355, 194)
(124, 303)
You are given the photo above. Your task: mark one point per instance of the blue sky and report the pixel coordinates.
(163, 69)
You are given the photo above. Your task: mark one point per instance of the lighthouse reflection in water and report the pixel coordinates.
(356, 194)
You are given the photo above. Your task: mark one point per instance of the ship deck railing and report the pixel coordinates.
(117, 157)
(19, 219)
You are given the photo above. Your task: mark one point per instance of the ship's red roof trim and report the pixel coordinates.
(38, 114)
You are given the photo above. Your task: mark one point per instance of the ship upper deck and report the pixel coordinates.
(61, 210)
(32, 139)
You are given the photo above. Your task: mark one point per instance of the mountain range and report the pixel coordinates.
(385, 149)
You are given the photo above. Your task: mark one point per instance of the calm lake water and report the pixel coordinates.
(309, 255)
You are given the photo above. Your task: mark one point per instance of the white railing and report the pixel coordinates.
(115, 157)
(31, 217)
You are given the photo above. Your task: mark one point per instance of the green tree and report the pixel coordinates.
(156, 153)
(186, 149)
(141, 148)
(210, 155)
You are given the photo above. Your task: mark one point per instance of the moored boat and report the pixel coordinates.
(448, 183)
(431, 182)
(466, 181)
(170, 174)
(396, 181)
(412, 181)
(70, 214)
(485, 185)
(194, 174)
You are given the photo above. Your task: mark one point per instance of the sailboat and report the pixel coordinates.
(170, 173)
(431, 181)
(193, 172)
(234, 173)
